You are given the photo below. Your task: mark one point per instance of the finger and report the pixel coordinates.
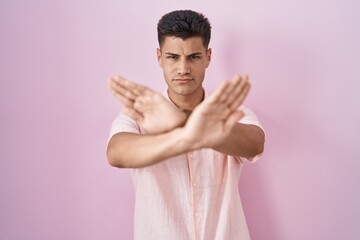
(232, 89)
(131, 112)
(128, 88)
(120, 93)
(241, 97)
(141, 103)
(220, 93)
(121, 82)
(125, 101)
(140, 90)
(135, 88)
(119, 86)
(239, 83)
(224, 112)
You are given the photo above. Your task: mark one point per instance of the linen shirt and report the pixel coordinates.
(192, 196)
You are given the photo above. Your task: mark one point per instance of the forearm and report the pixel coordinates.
(128, 150)
(245, 140)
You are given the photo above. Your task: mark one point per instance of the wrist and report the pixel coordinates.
(187, 139)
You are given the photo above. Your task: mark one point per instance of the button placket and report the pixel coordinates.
(190, 156)
(193, 174)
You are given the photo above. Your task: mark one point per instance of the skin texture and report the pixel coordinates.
(213, 122)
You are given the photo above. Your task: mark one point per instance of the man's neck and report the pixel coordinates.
(187, 102)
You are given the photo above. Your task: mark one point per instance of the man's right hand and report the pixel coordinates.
(154, 113)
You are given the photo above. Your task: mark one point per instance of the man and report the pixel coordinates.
(186, 149)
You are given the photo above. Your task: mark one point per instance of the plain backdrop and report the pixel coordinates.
(303, 58)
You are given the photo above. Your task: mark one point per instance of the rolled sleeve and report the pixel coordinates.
(250, 118)
(123, 123)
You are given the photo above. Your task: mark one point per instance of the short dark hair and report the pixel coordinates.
(184, 24)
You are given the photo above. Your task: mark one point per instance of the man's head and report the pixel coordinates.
(184, 24)
(183, 52)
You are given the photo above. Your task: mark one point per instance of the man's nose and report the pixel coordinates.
(184, 67)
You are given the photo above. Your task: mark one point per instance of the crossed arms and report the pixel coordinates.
(171, 131)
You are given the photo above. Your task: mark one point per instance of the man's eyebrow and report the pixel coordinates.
(192, 54)
(170, 53)
(195, 53)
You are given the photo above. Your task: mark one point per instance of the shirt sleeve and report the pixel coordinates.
(123, 123)
(250, 118)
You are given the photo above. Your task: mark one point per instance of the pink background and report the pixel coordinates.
(303, 58)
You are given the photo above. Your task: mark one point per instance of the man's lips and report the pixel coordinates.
(183, 80)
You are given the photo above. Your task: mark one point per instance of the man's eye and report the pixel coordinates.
(194, 57)
(171, 57)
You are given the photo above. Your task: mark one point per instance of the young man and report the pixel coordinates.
(186, 149)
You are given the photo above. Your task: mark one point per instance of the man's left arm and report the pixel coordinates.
(245, 140)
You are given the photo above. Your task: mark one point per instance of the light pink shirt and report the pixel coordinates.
(192, 196)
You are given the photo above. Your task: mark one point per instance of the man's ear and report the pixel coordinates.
(158, 55)
(208, 56)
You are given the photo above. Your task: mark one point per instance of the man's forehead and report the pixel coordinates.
(183, 46)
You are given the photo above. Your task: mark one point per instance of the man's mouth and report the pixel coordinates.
(183, 80)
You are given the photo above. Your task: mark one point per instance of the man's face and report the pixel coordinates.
(184, 63)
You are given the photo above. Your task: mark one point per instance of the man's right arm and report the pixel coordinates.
(130, 150)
